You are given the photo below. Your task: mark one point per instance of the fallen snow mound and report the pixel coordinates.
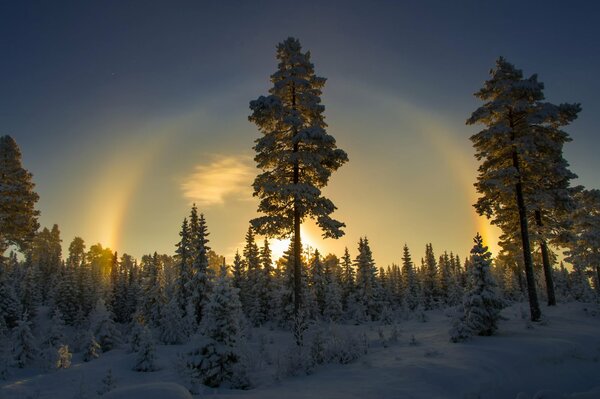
(157, 390)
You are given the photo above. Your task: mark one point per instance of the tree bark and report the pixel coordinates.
(297, 243)
(534, 305)
(546, 262)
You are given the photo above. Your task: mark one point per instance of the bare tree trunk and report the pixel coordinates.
(297, 242)
(534, 306)
(546, 262)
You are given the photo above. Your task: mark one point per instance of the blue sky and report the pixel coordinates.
(118, 106)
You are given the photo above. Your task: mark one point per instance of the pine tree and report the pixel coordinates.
(18, 217)
(520, 148)
(295, 153)
(481, 303)
(238, 273)
(25, 350)
(215, 361)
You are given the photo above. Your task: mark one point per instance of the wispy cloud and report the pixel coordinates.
(225, 177)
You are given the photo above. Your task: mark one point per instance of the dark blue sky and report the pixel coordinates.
(86, 84)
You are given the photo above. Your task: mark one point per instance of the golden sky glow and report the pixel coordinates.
(226, 176)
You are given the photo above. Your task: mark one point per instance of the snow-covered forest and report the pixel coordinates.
(91, 322)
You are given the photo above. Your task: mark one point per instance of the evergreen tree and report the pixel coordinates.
(153, 298)
(519, 148)
(173, 324)
(64, 357)
(347, 281)
(295, 153)
(409, 281)
(481, 303)
(430, 279)
(30, 292)
(199, 285)
(184, 260)
(18, 217)
(10, 307)
(146, 354)
(216, 360)
(266, 290)
(66, 295)
(251, 294)
(106, 331)
(91, 349)
(238, 273)
(25, 350)
(333, 294)
(366, 280)
(584, 242)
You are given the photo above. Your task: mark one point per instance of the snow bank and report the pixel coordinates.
(157, 390)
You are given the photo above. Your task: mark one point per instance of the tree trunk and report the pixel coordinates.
(531, 291)
(546, 262)
(297, 243)
(598, 279)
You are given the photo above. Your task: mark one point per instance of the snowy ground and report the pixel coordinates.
(560, 356)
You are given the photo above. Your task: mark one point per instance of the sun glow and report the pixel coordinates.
(279, 246)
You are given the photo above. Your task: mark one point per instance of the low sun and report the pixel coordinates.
(278, 247)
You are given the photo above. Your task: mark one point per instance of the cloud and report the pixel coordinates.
(224, 177)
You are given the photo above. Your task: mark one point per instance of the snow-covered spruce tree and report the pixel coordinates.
(411, 292)
(18, 217)
(24, 347)
(250, 293)
(66, 295)
(367, 287)
(54, 338)
(295, 154)
(173, 326)
(199, 285)
(583, 248)
(152, 296)
(64, 356)
(267, 285)
(520, 150)
(333, 295)
(184, 257)
(430, 279)
(105, 330)
(216, 360)
(347, 280)
(10, 307)
(146, 354)
(91, 348)
(318, 281)
(30, 291)
(482, 303)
